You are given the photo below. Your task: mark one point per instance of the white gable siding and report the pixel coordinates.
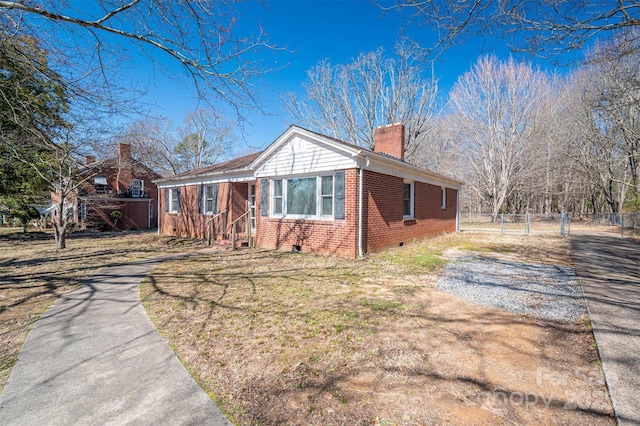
(300, 155)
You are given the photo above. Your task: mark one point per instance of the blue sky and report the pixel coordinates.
(311, 31)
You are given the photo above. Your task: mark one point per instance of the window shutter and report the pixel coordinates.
(215, 199)
(338, 198)
(178, 191)
(201, 208)
(166, 199)
(264, 188)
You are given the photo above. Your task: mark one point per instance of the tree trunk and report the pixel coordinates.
(60, 225)
(61, 237)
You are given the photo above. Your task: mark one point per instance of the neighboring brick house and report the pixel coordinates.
(119, 183)
(314, 193)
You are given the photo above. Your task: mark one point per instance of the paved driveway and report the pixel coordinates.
(609, 271)
(95, 358)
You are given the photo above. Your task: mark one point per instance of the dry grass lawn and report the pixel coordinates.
(33, 274)
(280, 338)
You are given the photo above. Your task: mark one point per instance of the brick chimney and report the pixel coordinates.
(124, 154)
(125, 176)
(89, 159)
(390, 140)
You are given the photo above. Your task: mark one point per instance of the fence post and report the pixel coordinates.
(502, 223)
(562, 224)
(527, 224)
(622, 225)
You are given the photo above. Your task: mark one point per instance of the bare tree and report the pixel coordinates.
(152, 141)
(615, 70)
(349, 101)
(206, 138)
(496, 113)
(606, 135)
(84, 50)
(91, 46)
(537, 26)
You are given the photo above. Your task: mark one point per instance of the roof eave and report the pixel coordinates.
(363, 154)
(199, 176)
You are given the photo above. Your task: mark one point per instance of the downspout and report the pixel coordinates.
(158, 211)
(458, 210)
(360, 210)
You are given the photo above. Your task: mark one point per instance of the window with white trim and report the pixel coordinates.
(174, 200)
(443, 206)
(326, 195)
(303, 197)
(210, 202)
(136, 188)
(100, 184)
(277, 197)
(407, 199)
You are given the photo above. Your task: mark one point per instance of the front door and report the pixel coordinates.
(252, 206)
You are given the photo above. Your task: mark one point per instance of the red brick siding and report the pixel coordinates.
(134, 213)
(117, 180)
(390, 140)
(330, 237)
(189, 223)
(238, 203)
(384, 225)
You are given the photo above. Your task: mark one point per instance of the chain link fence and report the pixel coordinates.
(627, 224)
(516, 224)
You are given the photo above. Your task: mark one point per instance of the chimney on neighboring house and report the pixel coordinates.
(125, 176)
(89, 159)
(390, 140)
(124, 154)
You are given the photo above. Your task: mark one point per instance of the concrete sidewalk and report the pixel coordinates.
(95, 358)
(609, 271)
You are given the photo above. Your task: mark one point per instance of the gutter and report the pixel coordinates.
(197, 178)
(360, 198)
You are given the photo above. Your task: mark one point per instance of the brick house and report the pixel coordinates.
(313, 193)
(119, 183)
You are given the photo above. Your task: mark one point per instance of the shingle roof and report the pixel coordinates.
(242, 163)
(235, 164)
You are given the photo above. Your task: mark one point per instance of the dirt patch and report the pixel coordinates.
(280, 338)
(34, 274)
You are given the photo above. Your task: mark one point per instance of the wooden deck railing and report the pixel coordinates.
(210, 224)
(245, 225)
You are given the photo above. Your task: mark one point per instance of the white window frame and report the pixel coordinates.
(173, 197)
(100, 188)
(322, 196)
(412, 200)
(208, 199)
(275, 199)
(443, 204)
(137, 188)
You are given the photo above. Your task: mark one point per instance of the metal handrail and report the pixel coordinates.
(246, 214)
(209, 227)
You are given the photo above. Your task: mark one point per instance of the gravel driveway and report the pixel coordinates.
(540, 291)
